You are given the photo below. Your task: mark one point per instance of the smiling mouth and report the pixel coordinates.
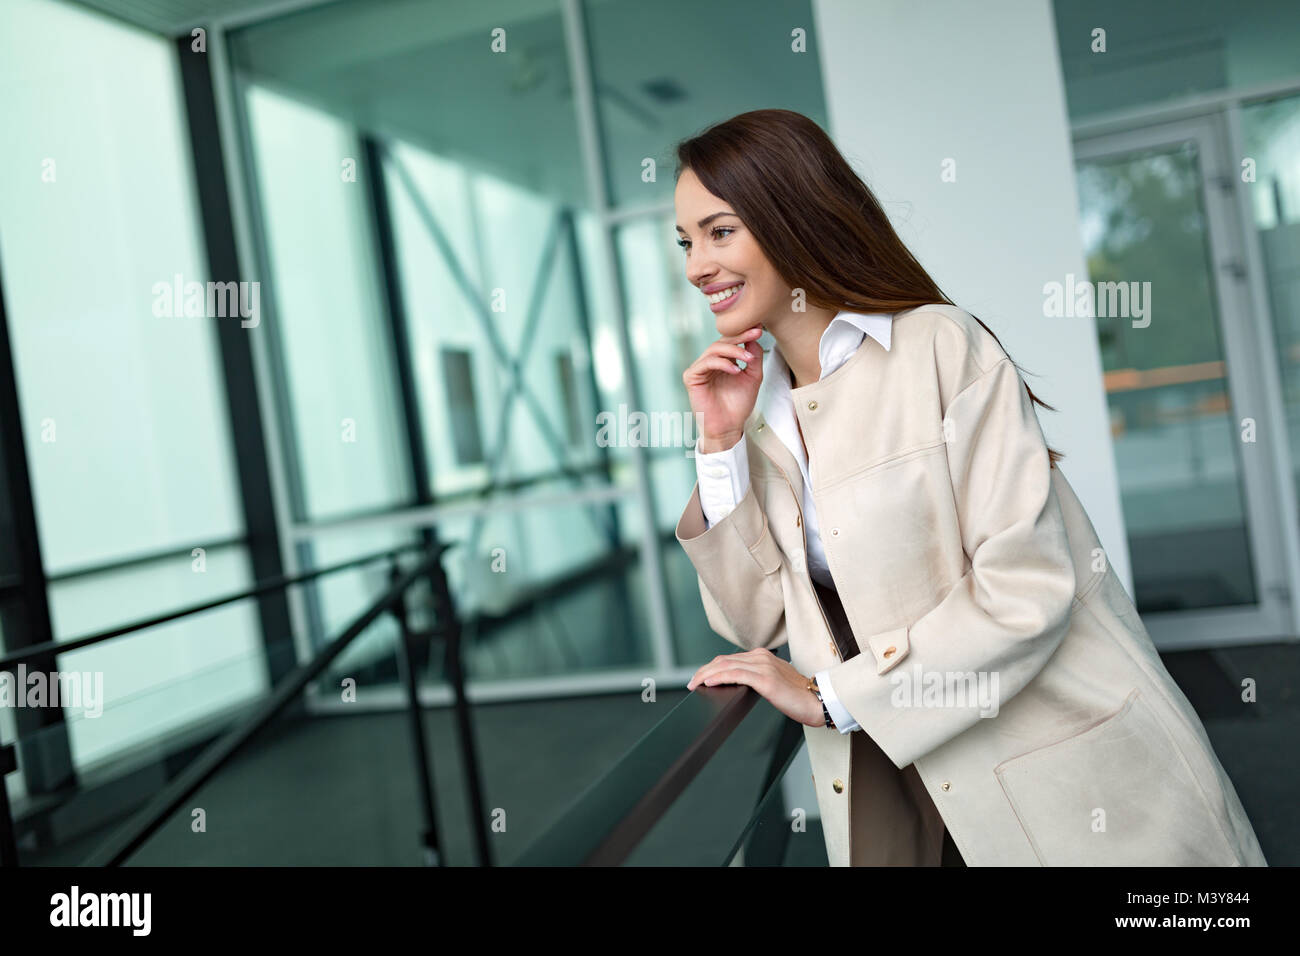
(725, 294)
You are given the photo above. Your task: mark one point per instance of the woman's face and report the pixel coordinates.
(720, 252)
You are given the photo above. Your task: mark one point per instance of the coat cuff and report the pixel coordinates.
(742, 532)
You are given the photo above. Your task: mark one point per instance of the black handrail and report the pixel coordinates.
(446, 626)
(129, 839)
(606, 822)
(601, 827)
(141, 559)
(10, 660)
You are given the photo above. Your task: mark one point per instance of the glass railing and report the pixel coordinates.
(699, 787)
(129, 806)
(341, 762)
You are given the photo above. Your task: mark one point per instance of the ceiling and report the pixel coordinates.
(174, 17)
(423, 71)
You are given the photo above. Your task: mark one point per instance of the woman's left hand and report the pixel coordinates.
(773, 677)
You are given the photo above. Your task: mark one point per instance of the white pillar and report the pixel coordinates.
(976, 88)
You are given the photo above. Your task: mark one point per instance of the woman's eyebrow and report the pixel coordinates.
(707, 219)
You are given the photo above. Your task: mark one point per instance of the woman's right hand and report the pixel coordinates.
(722, 394)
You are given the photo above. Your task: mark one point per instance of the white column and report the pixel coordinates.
(914, 89)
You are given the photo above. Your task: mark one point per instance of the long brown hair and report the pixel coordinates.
(817, 222)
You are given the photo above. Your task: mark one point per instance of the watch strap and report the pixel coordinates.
(826, 714)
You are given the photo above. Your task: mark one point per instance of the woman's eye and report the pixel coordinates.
(686, 243)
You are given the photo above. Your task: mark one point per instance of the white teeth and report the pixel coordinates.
(725, 293)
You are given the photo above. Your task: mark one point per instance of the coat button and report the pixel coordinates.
(835, 532)
(890, 651)
(798, 521)
(812, 406)
(945, 785)
(838, 785)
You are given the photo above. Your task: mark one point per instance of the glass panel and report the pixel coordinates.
(548, 610)
(1272, 136)
(734, 56)
(344, 595)
(1161, 50)
(288, 801)
(127, 434)
(785, 828)
(202, 676)
(670, 325)
(1176, 441)
(493, 257)
(346, 420)
(703, 823)
(281, 801)
(163, 679)
(467, 334)
(126, 428)
(487, 81)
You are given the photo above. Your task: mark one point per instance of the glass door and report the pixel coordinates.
(1181, 351)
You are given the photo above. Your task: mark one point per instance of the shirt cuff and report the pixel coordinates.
(723, 479)
(844, 721)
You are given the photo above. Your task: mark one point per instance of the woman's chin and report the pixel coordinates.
(733, 324)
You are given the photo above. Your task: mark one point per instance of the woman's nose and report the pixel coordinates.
(699, 272)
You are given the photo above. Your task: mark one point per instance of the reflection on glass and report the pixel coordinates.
(770, 838)
(127, 435)
(733, 57)
(163, 679)
(1176, 444)
(494, 412)
(329, 311)
(462, 406)
(548, 591)
(1162, 50)
(1272, 135)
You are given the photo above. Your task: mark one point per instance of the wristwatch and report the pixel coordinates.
(812, 686)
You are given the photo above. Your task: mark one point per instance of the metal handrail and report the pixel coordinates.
(601, 827)
(13, 658)
(152, 816)
(147, 820)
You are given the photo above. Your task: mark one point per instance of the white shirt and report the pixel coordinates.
(724, 475)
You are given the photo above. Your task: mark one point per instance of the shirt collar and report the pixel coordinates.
(838, 343)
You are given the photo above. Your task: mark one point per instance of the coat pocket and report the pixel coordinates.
(1119, 793)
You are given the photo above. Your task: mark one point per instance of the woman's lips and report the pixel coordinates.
(729, 301)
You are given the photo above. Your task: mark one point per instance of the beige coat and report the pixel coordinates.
(957, 551)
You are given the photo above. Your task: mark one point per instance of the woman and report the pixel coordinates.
(973, 680)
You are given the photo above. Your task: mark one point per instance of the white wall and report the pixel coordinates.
(910, 85)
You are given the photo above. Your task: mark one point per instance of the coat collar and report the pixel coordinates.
(776, 383)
